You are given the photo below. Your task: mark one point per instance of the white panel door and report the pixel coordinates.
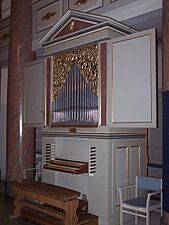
(132, 80)
(34, 93)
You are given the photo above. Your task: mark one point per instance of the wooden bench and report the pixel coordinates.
(28, 193)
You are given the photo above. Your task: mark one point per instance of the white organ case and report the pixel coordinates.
(122, 74)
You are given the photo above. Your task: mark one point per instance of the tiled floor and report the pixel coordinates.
(6, 209)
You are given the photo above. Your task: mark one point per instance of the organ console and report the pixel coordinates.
(67, 166)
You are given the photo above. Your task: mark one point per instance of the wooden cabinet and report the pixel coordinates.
(35, 93)
(129, 95)
(125, 82)
(118, 159)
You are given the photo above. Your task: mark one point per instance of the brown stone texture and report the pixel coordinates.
(20, 140)
(0, 9)
(0, 66)
(165, 42)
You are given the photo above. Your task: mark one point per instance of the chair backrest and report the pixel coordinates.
(149, 183)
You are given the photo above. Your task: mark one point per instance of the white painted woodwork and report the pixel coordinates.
(47, 176)
(120, 150)
(132, 9)
(40, 24)
(128, 160)
(6, 8)
(132, 80)
(4, 49)
(103, 28)
(34, 93)
(114, 168)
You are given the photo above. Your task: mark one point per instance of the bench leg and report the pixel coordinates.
(18, 206)
(70, 209)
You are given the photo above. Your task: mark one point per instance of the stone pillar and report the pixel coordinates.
(20, 140)
(165, 49)
(0, 65)
(0, 9)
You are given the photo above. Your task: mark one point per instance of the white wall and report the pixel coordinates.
(3, 111)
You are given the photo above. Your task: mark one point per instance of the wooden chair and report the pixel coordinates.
(37, 169)
(139, 205)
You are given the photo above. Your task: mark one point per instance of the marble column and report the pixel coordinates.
(0, 9)
(20, 140)
(0, 65)
(165, 49)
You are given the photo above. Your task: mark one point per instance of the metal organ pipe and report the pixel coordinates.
(75, 103)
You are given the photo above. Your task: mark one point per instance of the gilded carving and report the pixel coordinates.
(86, 60)
(72, 26)
(48, 16)
(81, 2)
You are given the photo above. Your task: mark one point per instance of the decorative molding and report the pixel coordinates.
(71, 26)
(134, 9)
(81, 2)
(95, 23)
(4, 37)
(97, 135)
(48, 15)
(111, 1)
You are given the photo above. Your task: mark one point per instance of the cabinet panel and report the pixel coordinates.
(122, 165)
(133, 81)
(135, 157)
(129, 161)
(34, 93)
(44, 15)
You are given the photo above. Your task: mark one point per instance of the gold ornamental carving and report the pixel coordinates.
(48, 16)
(86, 60)
(72, 26)
(81, 2)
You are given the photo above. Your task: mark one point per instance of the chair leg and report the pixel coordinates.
(121, 217)
(136, 220)
(148, 219)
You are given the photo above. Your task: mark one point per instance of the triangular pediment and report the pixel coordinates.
(75, 23)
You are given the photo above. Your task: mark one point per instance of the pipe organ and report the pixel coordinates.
(75, 88)
(92, 107)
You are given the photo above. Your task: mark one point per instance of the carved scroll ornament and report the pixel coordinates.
(48, 16)
(80, 2)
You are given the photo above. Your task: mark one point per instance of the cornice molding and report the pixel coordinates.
(134, 9)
